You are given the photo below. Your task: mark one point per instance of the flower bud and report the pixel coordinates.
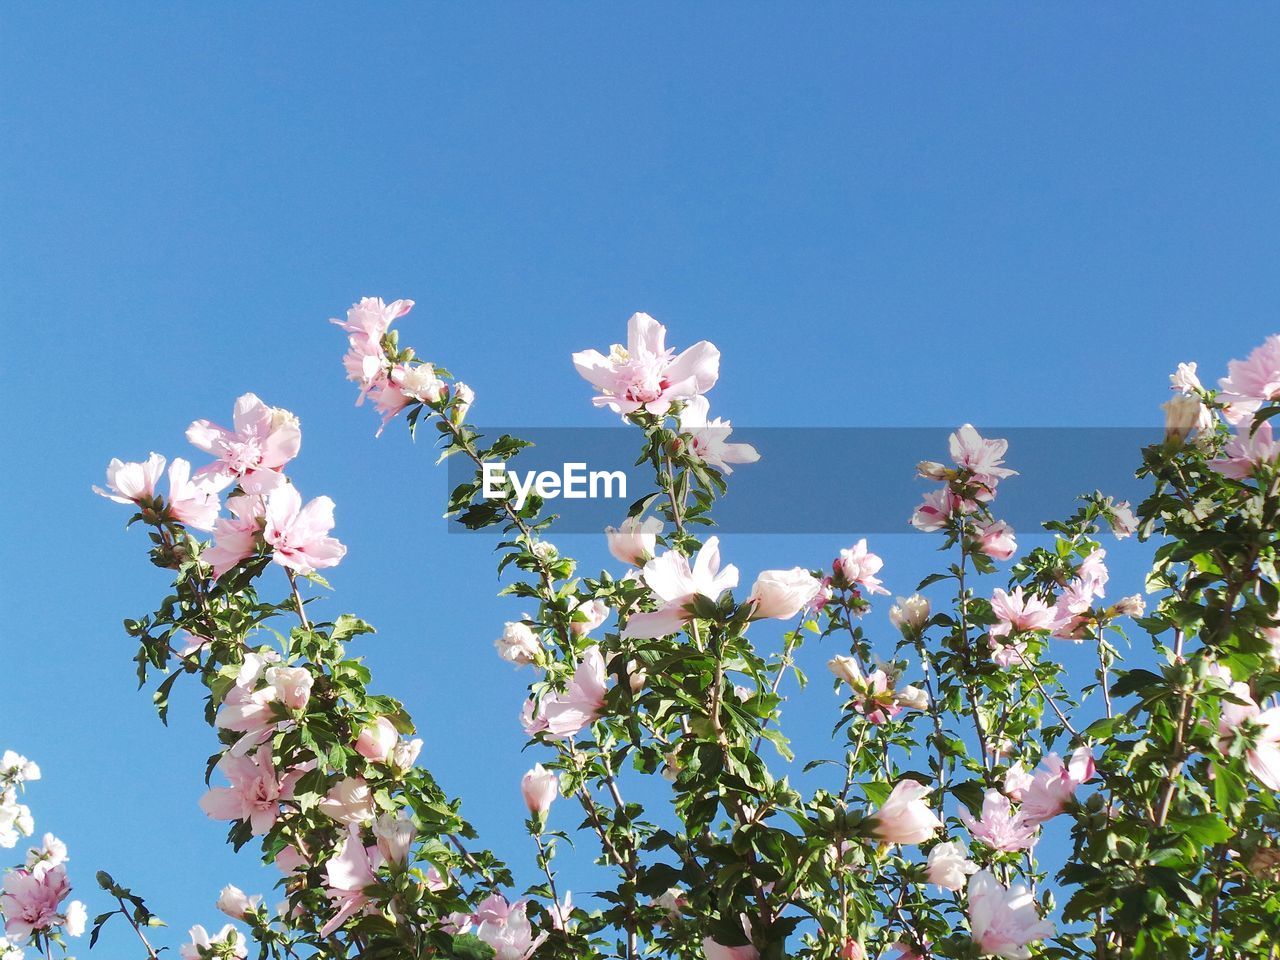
(235, 903)
(395, 837)
(539, 787)
(377, 741)
(1181, 415)
(910, 614)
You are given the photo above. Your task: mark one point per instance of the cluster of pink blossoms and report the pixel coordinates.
(266, 509)
(32, 895)
(967, 487)
(391, 380)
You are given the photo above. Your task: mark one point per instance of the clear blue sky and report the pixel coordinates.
(925, 214)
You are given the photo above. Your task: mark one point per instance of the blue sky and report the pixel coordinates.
(917, 215)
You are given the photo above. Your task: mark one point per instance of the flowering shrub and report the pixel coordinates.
(957, 741)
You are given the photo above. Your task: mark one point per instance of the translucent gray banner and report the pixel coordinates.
(850, 480)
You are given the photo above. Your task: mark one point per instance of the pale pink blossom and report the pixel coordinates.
(1054, 785)
(910, 614)
(289, 860)
(405, 753)
(1252, 382)
(292, 685)
(51, 853)
(348, 876)
(858, 566)
(395, 836)
(350, 801)
(1261, 728)
(247, 708)
(1017, 612)
(873, 693)
(15, 768)
(645, 373)
(1121, 518)
(565, 714)
(539, 788)
(194, 502)
(367, 323)
(781, 594)
(235, 538)
(711, 950)
(235, 903)
(1004, 921)
(254, 451)
(518, 643)
(1016, 781)
(1000, 828)
(708, 439)
(586, 615)
(937, 509)
(507, 929)
(905, 817)
(226, 943)
(132, 482)
(31, 903)
(1184, 379)
(75, 919)
(982, 458)
(995, 539)
(1245, 452)
(673, 581)
(949, 866)
(15, 818)
(377, 740)
(298, 535)
(254, 794)
(635, 541)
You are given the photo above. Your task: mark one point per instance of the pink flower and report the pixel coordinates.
(1244, 453)
(350, 801)
(1003, 921)
(948, 866)
(194, 502)
(709, 438)
(904, 816)
(995, 539)
(645, 374)
(377, 741)
(132, 482)
(51, 853)
(235, 903)
(982, 458)
(1252, 382)
(235, 538)
(565, 714)
(1261, 728)
(1122, 520)
(718, 951)
(507, 929)
(1184, 379)
(539, 788)
(367, 323)
(262, 441)
(226, 943)
(247, 709)
(859, 566)
(348, 875)
(635, 541)
(1000, 828)
(781, 594)
(298, 534)
(255, 792)
(463, 396)
(1016, 781)
(1018, 613)
(874, 696)
(518, 643)
(291, 685)
(586, 615)
(676, 584)
(31, 901)
(936, 511)
(395, 837)
(1054, 784)
(910, 614)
